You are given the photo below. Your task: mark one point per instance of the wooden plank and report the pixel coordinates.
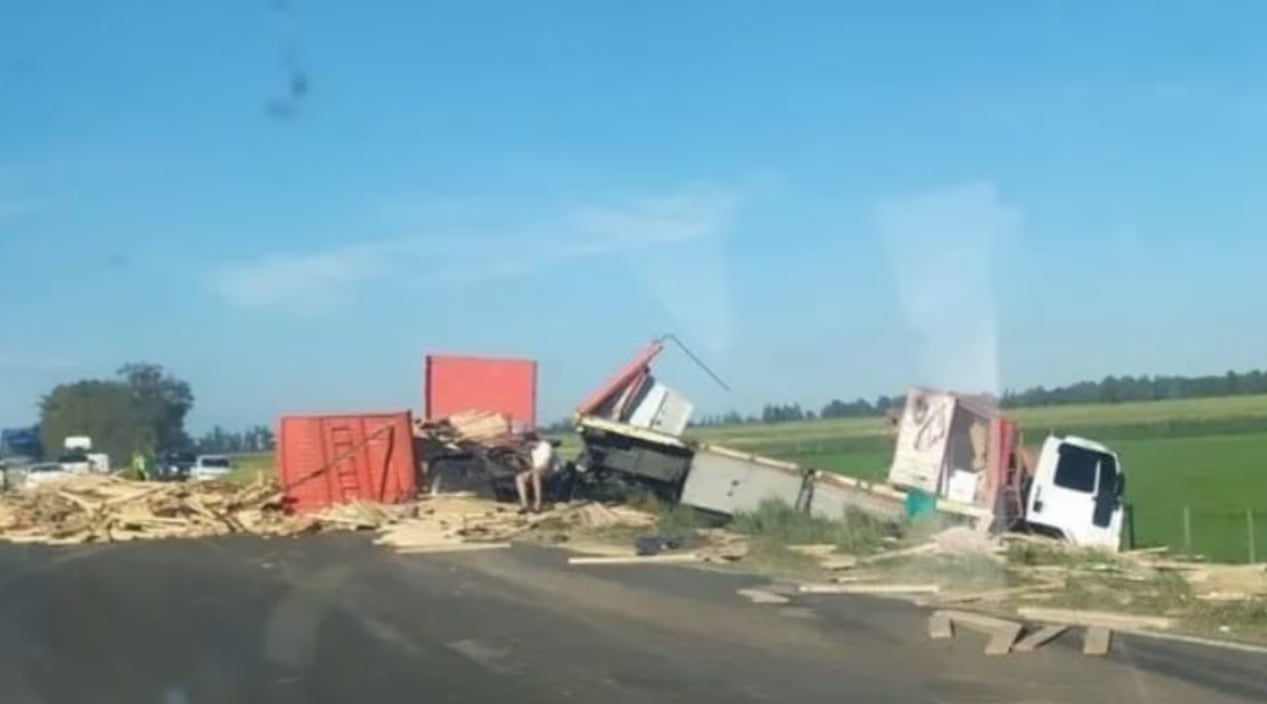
(1094, 618)
(1001, 639)
(868, 588)
(838, 562)
(814, 550)
(634, 559)
(1096, 641)
(758, 596)
(939, 626)
(1038, 638)
(454, 547)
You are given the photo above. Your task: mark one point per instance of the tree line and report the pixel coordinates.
(218, 441)
(1110, 389)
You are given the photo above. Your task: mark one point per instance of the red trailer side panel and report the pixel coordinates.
(452, 384)
(330, 459)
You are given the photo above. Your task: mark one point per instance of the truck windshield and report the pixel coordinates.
(1076, 469)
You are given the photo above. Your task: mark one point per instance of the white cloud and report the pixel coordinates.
(297, 282)
(304, 281)
(943, 245)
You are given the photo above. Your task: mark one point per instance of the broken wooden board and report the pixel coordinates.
(939, 626)
(847, 588)
(814, 550)
(677, 558)
(838, 562)
(453, 547)
(1002, 633)
(1039, 638)
(1095, 618)
(1096, 640)
(760, 596)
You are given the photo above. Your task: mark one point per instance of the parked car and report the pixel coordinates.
(175, 466)
(210, 467)
(34, 475)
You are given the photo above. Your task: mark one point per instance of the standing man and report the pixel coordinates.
(541, 463)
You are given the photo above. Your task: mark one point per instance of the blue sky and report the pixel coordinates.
(289, 202)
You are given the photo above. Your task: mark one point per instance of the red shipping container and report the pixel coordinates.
(331, 459)
(452, 384)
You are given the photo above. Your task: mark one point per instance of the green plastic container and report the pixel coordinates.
(920, 503)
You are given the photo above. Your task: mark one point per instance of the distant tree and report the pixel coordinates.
(160, 403)
(102, 410)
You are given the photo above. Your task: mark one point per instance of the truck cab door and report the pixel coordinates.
(1076, 491)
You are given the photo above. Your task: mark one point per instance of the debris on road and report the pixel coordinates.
(856, 588)
(760, 596)
(1003, 633)
(101, 508)
(669, 558)
(1096, 641)
(1106, 619)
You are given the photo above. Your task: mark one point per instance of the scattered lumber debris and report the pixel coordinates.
(103, 508)
(1003, 633)
(483, 427)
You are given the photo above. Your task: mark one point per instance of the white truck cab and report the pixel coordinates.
(1076, 491)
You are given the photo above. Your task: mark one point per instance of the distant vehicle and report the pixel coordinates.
(210, 467)
(75, 462)
(41, 473)
(77, 442)
(175, 466)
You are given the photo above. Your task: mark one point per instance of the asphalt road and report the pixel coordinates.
(333, 619)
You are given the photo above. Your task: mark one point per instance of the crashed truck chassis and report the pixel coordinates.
(726, 481)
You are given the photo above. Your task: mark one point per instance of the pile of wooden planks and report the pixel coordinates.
(97, 508)
(483, 427)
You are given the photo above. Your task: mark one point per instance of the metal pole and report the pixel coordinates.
(1187, 530)
(1249, 519)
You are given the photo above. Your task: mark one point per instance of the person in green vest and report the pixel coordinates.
(140, 465)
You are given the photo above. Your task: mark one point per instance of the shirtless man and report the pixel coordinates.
(540, 466)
